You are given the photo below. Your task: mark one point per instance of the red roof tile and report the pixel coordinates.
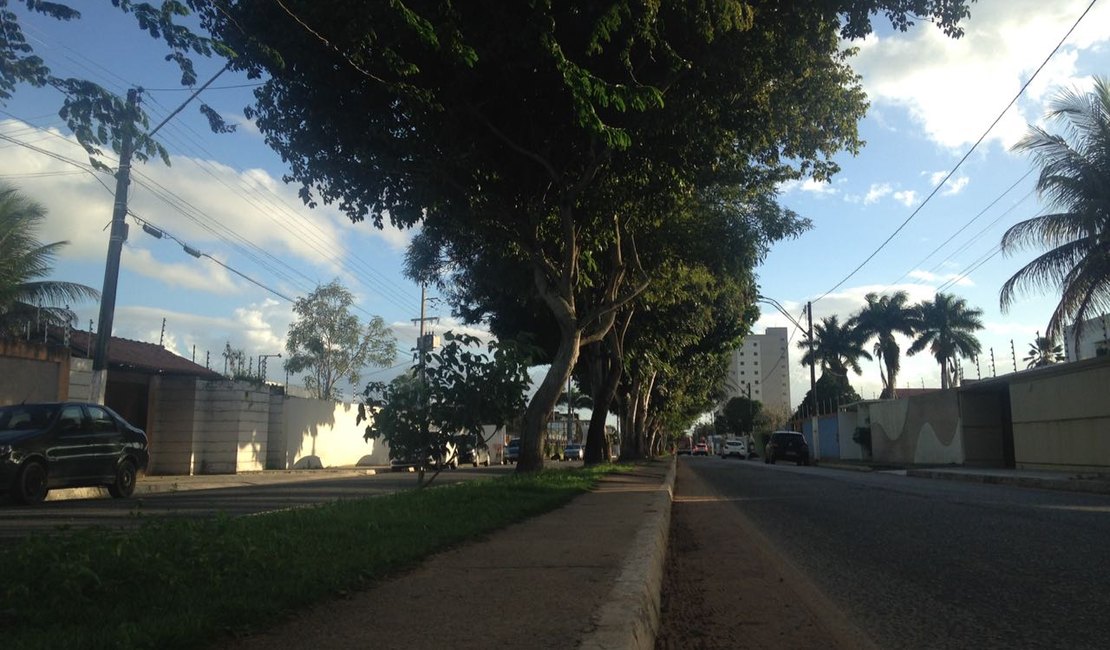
(137, 355)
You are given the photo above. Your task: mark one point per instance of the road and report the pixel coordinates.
(18, 521)
(817, 557)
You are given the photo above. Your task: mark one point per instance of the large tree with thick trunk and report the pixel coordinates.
(496, 122)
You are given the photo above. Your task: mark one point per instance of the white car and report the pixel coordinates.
(574, 451)
(735, 447)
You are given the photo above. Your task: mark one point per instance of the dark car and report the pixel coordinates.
(787, 445)
(68, 444)
(512, 451)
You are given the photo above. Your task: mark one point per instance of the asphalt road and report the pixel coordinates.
(921, 563)
(18, 521)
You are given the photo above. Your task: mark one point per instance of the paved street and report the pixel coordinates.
(17, 521)
(906, 562)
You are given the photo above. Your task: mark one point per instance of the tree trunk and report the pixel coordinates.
(944, 373)
(606, 381)
(543, 402)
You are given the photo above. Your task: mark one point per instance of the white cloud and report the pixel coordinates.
(876, 192)
(955, 185)
(906, 197)
(809, 185)
(955, 88)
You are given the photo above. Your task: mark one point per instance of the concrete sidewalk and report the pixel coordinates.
(182, 483)
(1090, 482)
(587, 575)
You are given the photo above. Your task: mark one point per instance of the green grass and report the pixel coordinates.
(173, 583)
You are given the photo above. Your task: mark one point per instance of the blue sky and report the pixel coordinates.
(931, 99)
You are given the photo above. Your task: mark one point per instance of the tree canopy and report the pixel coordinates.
(328, 343)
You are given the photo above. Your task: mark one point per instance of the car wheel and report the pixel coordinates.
(125, 480)
(30, 486)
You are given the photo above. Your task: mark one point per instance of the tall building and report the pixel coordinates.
(762, 363)
(1094, 339)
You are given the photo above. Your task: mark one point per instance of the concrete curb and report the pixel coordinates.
(630, 617)
(1092, 486)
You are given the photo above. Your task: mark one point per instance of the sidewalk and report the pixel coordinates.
(587, 575)
(1090, 482)
(182, 483)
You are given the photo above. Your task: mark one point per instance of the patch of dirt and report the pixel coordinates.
(723, 589)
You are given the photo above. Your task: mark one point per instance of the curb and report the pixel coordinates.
(630, 617)
(1073, 485)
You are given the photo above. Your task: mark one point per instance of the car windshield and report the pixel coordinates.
(25, 417)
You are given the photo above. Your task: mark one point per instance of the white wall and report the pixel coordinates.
(320, 433)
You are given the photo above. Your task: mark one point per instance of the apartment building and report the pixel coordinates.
(762, 364)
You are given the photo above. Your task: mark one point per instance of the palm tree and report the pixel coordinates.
(24, 297)
(947, 326)
(836, 347)
(576, 400)
(1076, 238)
(883, 317)
(1043, 351)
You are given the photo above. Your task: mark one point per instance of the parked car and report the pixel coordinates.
(473, 453)
(574, 451)
(701, 449)
(735, 447)
(787, 445)
(69, 444)
(431, 460)
(684, 451)
(512, 451)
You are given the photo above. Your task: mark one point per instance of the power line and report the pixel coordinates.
(964, 158)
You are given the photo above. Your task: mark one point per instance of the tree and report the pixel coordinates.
(836, 347)
(492, 124)
(329, 343)
(947, 326)
(97, 116)
(454, 392)
(25, 298)
(1076, 238)
(832, 391)
(741, 414)
(1043, 351)
(883, 317)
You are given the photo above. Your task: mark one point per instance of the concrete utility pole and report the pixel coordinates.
(424, 343)
(813, 384)
(115, 248)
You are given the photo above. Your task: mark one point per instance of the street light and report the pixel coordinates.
(262, 364)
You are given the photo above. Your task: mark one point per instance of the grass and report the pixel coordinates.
(175, 583)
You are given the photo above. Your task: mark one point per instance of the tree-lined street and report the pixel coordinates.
(849, 557)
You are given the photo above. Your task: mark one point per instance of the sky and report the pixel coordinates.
(931, 98)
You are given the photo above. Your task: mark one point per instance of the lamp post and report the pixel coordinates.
(262, 364)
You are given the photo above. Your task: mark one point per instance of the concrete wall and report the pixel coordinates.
(174, 421)
(311, 433)
(923, 429)
(1062, 419)
(847, 421)
(981, 414)
(33, 372)
(232, 427)
(80, 379)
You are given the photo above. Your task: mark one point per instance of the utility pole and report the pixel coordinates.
(813, 384)
(115, 249)
(424, 343)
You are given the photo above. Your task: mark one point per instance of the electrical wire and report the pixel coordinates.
(965, 156)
